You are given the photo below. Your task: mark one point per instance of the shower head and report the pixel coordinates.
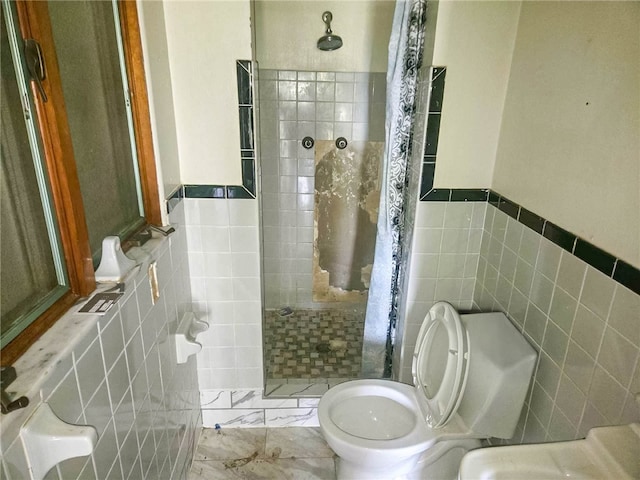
(329, 41)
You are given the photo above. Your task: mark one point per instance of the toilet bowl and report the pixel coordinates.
(471, 374)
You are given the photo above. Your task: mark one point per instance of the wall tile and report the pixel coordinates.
(291, 417)
(588, 330)
(234, 418)
(548, 259)
(541, 403)
(254, 399)
(597, 292)
(578, 366)
(90, 370)
(535, 323)
(560, 426)
(607, 394)
(624, 314)
(563, 309)
(587, 321)
(65, 400)
(555, 343)
(618, 356)
(541, 292)
(15, 461)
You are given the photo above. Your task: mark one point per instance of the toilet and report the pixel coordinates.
(471, 374)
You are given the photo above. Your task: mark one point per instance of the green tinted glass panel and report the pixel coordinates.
(28, 279)
(86, 43)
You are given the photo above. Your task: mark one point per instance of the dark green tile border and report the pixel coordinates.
(620, 271)
(594, 256)
(559, 236)
(244, 77)
(627, 275)
(205, 191)
(508, 207)
(531, 220)
(174, 198)
(437, 77)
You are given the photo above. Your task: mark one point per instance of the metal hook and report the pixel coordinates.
(35, 64)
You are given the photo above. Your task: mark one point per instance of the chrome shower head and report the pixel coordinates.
(329, 41)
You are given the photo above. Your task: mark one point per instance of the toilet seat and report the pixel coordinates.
(373, 417)
(418, 439)
(440, 364)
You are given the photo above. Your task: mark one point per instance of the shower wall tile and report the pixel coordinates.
(582, 322)
(102, 380)
(324, 106)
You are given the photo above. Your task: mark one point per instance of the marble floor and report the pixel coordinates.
(291, 453)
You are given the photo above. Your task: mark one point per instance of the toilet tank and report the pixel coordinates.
(501, 364)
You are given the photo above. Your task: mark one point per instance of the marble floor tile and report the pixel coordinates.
(296, 442)
(230, 443)
(295, 453)
(253, 468)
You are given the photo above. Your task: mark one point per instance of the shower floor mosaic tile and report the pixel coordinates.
(313, 344)
(292, 453)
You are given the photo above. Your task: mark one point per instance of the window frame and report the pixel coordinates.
(33, 20)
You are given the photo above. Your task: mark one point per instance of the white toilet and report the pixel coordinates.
(471, 374)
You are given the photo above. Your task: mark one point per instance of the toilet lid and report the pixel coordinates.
(440, 363)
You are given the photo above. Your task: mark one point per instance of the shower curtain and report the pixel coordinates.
(405, 56)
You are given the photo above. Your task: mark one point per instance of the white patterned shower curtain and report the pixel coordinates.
(405, 56)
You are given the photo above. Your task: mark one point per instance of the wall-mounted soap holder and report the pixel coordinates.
(47, 440)
(114, 264)
(185, 337)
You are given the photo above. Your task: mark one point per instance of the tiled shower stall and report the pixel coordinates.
(294, 105)
(322, 106)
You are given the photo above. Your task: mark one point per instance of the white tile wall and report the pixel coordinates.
(585, 326)
(122, 378)
(224, 257)
(443, 264)
(247, 408)
(324, 106)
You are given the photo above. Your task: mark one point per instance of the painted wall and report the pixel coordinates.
(204, 41)
(158, 76)
(474, 40)
(287, 33)
(569, 145)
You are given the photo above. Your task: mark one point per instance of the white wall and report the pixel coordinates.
(570, 141)
(158, 76)
(474, 40)
(204, 41)
(287, 33)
